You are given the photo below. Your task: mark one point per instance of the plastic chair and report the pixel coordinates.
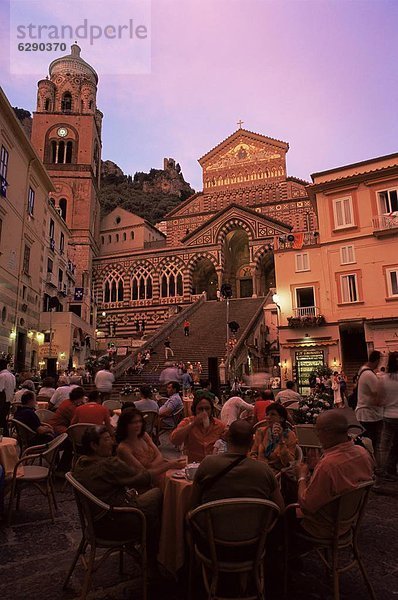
(112, 404)
(220, 548)
(24, 434)
(44, 415)
(37, 475)
(345, 514)
(75, 434)
(89, 506)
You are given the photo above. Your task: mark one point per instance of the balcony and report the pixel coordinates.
(3, 186)
(306, 316)
(296, 240)
(384, 225)
(50, 280)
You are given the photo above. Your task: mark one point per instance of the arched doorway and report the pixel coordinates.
(204, 278)
(265, 274)
(237, 270)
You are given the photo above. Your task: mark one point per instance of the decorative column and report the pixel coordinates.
(254, 280)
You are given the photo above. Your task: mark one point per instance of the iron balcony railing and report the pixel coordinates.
(382, 222)
(306, 311)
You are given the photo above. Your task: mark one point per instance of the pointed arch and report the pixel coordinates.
(171, 278)
(113, 287)
(141, 282)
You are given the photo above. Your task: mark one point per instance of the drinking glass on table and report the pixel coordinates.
(183, 455)
(1, 434)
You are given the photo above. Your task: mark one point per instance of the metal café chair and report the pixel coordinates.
(44, 415)
(89, 506)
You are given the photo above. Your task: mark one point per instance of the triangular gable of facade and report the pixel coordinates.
(184, 208)
(243, 136)
(257, 225)
(120, 218)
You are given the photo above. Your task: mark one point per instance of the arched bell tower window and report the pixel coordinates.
(47, 104)
(66, 104)
(61, 152)
(62, 206)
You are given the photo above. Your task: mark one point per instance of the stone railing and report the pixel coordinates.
(383, 222)
(160, 335)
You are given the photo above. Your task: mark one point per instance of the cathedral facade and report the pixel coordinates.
(223, 234)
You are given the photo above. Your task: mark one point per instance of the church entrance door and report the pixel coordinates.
(204, 279)
(246, 288)
(236, 255)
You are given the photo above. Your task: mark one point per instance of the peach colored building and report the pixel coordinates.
(338, 294)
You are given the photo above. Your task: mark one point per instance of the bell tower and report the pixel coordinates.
(66, 133)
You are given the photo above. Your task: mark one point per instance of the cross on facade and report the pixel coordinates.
(240, 123)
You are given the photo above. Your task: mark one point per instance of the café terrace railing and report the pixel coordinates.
(385, 222)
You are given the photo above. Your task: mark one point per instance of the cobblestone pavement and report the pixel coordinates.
(35, 555)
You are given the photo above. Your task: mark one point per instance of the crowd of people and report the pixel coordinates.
(243, 446)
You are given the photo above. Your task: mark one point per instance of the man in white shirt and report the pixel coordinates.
(233, 408)
(288, 394)
(104, 380)
(61, 393)
(369, 411)
(7, 386)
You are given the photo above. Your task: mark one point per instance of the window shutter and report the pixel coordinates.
(347, 212)
(339, 214)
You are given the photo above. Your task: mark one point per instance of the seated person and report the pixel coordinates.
(233, 408)
(289, 394)
(234, 474)
(26, 385)
(343, 466)
(262, 401)
(200, 432)
(48, 388)
(93, 412)
(62, 418)
(26, 414)
(276, 443)
(110, 479)
(136, 447)
(172, 405)
(61, 393)
(146, 403)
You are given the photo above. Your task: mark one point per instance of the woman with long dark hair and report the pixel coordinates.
(136, 448)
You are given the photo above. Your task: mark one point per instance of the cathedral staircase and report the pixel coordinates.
(207, 336)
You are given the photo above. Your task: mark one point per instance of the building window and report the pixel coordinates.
(51, 232)
(66, 104)
(141, 284)
(349, 288)
(113, 289)
(109, 239)
(23, 292)
(171, 283)
(392, 282)
(132, 234)
(61, 152)
(50, 265)
(26, 259)
(388, 201)
(60, 275)
(305, 302)
(31, 201)
(62, 204)
(3, 162)
(117, 237)
(343, 213)
(347, 255)
(102, 239)
(302, 262)
(61, 243)
(124, 237)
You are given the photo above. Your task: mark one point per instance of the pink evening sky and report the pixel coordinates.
(320, 75)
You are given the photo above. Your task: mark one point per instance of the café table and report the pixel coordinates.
(42, 405)
(176, 504)
(9, 456)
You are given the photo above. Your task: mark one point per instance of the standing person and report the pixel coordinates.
(104, 380)
(167, 348)
(337, 400)
(369, 411)
(187, 381)
(7, 389)
(186, 327)
(388, 388)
